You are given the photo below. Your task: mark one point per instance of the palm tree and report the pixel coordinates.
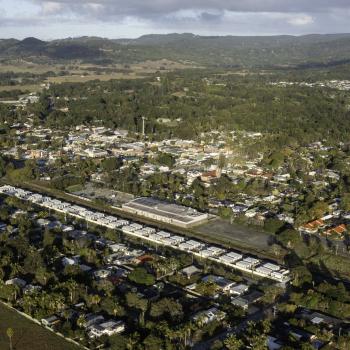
(81, 320)
(133, 340)
(71, 286)
(118, 309)
(166, 331)
(95, 299)
(188, 328)
(10, 333)
(185, 332)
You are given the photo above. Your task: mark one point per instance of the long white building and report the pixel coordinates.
(165, 212)
(234, 260)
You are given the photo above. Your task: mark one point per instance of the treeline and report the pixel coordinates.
(293, 115)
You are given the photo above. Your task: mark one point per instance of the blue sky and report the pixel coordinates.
(132, 18)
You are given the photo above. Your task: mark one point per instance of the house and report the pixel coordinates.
(43, 222)
(337, 230)
(312, 226)
(190, 271)
(29, 289)
(85, 268)
(239, 289)
(247, 300)
(240, 302)
(222, 283)
(102, 273)
(107, 328)
(274, 343)
(118, 248)
(50, 321)
(207, 316)
(96, 153)
(70, 261)
(16, 282)
(92, 319)
(316, 318)
(211, 175)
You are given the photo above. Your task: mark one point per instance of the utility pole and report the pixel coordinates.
(143, 125)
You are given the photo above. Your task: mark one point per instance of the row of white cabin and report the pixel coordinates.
(232, 259)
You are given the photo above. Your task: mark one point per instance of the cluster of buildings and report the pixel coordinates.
(331, 225)
(94, 324)
(22, 101)
(343, 85)
(240, 293)
(235, 260)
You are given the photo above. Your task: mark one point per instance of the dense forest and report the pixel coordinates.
(186, 103)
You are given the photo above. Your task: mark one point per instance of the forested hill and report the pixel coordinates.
(224, 51)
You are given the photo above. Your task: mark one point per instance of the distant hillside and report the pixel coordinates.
(224, 51)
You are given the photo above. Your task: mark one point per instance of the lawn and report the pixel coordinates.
(27, 334)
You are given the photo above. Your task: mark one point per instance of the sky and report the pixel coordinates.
(132, 18)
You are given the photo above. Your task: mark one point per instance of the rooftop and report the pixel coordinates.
(160, 208)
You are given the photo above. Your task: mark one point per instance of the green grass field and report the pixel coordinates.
(27, 334)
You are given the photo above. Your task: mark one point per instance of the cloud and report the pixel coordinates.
(94, 6)
(151, 7)
(51, 8)
(302, 20)
(237, 17)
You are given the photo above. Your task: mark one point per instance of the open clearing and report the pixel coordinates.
(30, 88)
(131, 71)
(27, 334)
(237, 235)
(77, 72)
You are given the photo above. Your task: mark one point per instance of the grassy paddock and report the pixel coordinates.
(27, 334)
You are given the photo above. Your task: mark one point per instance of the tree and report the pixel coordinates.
(93, 299)
(233, 343)
(302, 276)
(289, 238)
(221, 161)
(81, 320)
(2, 167)
(10, 333)
(141, 276)
(71, 286)
(318, 209)
(42, 275)
(258, 342)
(165, 159)
(112, 306)
(166, 306)
(134, 301)
(273, 225)
(345, 202)
(152, 342)
(132, 341)
(110, 164)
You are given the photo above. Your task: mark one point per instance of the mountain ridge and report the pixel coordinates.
(229, 50)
